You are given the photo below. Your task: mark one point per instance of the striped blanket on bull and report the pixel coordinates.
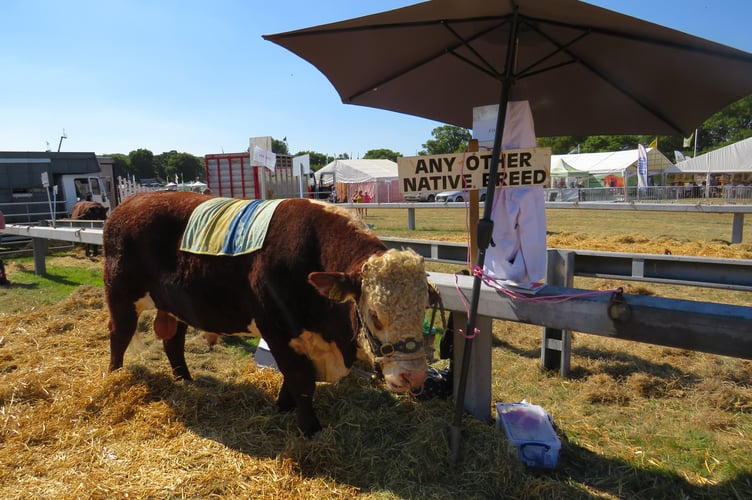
(227, 226)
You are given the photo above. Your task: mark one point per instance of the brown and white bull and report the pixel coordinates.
(89, 210)
(321, 291)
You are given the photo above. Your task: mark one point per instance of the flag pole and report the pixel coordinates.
(697, 132)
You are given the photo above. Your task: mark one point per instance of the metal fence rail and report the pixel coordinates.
(708, 272)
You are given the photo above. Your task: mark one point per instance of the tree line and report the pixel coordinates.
(728, 126)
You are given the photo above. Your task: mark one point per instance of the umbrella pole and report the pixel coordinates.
(485, 231)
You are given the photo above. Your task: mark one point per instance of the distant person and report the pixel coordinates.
(366, 199)
(358, 198)
(3, 278)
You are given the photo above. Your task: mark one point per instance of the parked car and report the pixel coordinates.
(429, 196)
(458, 195)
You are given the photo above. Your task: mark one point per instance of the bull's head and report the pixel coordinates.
(391, 294)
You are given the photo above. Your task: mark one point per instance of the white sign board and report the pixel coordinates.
(302, 164)
(261, 152)
(264, 158)
(517, 167)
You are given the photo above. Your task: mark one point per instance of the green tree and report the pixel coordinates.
(280, 147)
(185, 166)
(561, 145)
(317, 160)
(381, 154)
(732, 124)
(142, 163)
(446, 139)
(121, 165)
(160, 164)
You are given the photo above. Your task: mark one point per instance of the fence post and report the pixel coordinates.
(737, 228)
(40, 253)
(478, 388)
(411, 219)
(556, 344)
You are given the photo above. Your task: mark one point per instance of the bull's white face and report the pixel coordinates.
(393, 301)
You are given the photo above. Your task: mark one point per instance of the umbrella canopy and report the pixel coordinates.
(585, 70)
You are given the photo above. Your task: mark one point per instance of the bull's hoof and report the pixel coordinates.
(285, 406)
(181, 373)
(311, 430)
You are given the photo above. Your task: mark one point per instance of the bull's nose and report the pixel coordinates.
(414, 380)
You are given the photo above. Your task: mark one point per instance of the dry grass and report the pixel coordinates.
(636, 421)
(70, 430)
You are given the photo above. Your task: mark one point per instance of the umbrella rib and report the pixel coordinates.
(737, 54)
(489, 68)
(559, 49)
(564, 49)
(434, 56)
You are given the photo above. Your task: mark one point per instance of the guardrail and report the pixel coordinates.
(708, 272)
(738, 211)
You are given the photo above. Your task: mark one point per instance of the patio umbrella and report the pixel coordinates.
(584, 69)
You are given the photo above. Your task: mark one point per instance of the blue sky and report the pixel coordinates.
(196, 76)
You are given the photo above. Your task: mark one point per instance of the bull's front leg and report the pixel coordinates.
(301, 398)
(298, 387)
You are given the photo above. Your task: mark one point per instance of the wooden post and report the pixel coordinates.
(556, 344)
(478, 388)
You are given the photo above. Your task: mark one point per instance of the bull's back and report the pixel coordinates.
(147, 220)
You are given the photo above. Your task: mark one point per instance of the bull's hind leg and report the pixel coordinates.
(123, 321)
(174, 347)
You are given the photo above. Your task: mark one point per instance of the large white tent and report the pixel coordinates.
(731, 159)
(378, 178)
(619, 164)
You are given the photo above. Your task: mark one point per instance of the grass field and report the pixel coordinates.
(636, 421)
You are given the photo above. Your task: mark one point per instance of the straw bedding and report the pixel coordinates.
(68, 429)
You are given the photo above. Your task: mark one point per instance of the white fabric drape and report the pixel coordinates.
(518, 250)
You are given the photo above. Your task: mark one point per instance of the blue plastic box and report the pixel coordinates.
(529, 429)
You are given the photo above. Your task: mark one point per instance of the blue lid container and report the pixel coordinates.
(529, 429)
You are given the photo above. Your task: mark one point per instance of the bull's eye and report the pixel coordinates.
(375, 321)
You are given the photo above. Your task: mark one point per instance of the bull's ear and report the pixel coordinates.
(434, 296)
(337, 287)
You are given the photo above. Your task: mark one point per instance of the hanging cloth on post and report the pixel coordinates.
(518, 250)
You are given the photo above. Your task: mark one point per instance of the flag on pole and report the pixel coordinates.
(688, 140)
(654, 144)
(642, 166)
(679, 156)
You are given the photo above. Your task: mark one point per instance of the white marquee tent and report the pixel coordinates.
(620, 164)
(378, 178)
(734, 158)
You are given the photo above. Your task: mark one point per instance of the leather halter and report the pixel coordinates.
(410, 345)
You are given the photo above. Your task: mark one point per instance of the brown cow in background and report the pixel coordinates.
(321, 291)
(89, 210)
